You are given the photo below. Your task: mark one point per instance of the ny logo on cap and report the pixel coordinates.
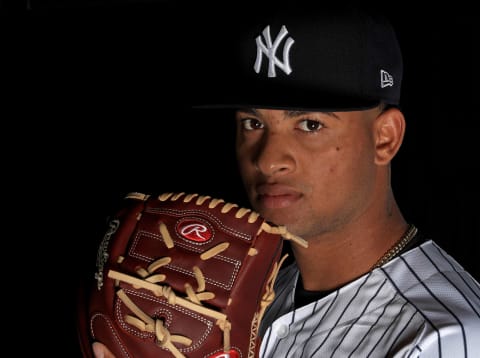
(269, 49)
(386, 79)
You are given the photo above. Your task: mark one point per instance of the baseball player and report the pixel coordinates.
(318, 125)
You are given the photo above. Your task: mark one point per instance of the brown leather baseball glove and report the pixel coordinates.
(182, 275)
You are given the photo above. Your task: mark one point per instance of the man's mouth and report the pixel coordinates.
(276, 196)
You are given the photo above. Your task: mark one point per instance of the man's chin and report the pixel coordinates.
(277, 216)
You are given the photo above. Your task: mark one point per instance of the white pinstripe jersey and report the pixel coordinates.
(421, 304)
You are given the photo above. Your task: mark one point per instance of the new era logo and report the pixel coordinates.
(269, 49)
(386, 79)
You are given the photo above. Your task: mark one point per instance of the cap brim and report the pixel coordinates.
(291, 101)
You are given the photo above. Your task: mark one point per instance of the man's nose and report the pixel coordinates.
(274, 155)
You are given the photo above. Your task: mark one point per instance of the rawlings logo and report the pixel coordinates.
(194, 230)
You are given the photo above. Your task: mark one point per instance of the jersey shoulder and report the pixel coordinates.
(444, 295)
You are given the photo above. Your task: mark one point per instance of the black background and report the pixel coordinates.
(95, 105)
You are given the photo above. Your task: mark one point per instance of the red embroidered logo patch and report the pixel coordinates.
(194, 230)
(230, 354)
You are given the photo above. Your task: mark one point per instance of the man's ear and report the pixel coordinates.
(389, 130)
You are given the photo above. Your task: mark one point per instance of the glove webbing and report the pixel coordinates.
(164, 338)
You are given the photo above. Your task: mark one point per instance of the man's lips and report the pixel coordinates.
(276, 196)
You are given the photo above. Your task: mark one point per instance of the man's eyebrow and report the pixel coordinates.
(288, 113)
(295, 113)
(301, 113)
(252, 111)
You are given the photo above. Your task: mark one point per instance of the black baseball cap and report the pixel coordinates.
(305, 57)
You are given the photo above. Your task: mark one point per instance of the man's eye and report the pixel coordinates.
(250, 124)
(310, 125)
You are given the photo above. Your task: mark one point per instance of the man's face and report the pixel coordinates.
(310, 171)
